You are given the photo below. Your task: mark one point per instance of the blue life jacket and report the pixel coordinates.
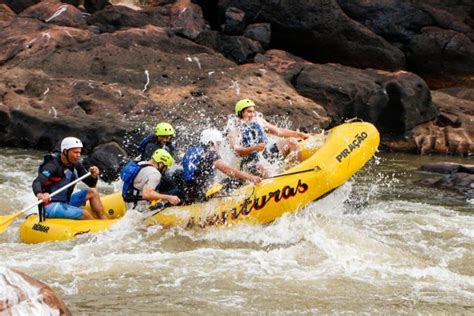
(253, 134)
(191, 161)
(152, 139)
(128, 174)
(143, 143)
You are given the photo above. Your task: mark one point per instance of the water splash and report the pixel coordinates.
(401, 248)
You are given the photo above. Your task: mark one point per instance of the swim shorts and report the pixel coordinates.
(70, 210)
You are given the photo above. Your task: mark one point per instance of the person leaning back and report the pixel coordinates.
(247, 136)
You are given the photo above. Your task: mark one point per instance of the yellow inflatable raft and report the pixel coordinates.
(328, 162)
(346, 149)
(54, 229)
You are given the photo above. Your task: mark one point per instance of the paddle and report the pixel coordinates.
(213, 189)
(217, 187)
(6, 220)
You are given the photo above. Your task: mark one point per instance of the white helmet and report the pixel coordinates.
(70, 142)
(211, 135)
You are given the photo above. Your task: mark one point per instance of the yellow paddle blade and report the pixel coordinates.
(154, 205)
(213, 189)
(6, 220)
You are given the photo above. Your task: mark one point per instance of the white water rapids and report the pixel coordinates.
(407, 250)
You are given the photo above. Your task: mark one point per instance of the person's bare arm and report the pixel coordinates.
(150, 194)
(234, 141)
(235, 173)
(282, 132)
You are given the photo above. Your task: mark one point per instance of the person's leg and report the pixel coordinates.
(286, 146)
(289, 149)
(256, 165)
(63, 210)
(80, 198)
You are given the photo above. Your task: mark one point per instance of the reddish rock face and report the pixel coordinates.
(56, 12)
(61, 80)
(23, 295)
(453, 130)
(99, 76)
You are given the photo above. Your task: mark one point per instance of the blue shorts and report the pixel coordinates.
(70, 210)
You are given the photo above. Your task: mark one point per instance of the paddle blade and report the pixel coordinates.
(157, 204)
(215, 188)
(7, 220)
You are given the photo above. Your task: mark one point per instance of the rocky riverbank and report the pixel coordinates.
(104, 72)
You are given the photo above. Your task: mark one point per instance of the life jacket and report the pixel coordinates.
(128, 175)
(191, 161)
(152, 139)
(143, 143)
(252, 134)
(48, 158)
(55, 183)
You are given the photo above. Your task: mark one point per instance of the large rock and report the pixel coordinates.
(460, 178)
(54, 11)
(436, 36)
(460, 92)
(320, 32)
(114, 18)
(453, 130)
(187, 18)
(20, 5)
(93, 6)
(109, 158)
(442, 56)
(260, 32)
(60, 81)
(183, 17)
(447, 167)
(6, 14)
(395, 102)
(20, 294)
(234, 21)
(238, 48)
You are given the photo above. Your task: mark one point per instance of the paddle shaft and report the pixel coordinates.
(295, 172)
(217, 187)
(67, 186)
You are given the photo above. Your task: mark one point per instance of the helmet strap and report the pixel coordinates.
(65, 153)
(162, 167)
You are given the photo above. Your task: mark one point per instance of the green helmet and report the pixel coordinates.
(161, 155)
(243, 104)
(164, 129)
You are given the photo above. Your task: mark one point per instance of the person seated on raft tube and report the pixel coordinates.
(161, 139)
(149, 177)
(247, 137)
(56, 171)
(200, 163)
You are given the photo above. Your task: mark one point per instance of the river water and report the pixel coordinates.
(407, 249)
